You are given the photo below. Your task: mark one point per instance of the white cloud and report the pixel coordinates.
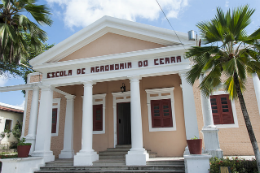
(227, 4)
(21, 105)
(80, 13)
(3, 81)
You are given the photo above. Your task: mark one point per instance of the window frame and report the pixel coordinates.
(11, 127)
(233, 107)
(57, 102)
(103, 103)
(160, 92)
(94, 102)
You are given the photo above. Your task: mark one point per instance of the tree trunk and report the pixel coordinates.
(247, 121)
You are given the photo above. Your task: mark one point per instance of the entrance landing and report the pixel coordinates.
(113, 160)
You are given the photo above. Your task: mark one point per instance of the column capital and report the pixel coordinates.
(46, 87)
(183, 73)
(89, 83)
(70, 97)
(134, 78)
(35, 87)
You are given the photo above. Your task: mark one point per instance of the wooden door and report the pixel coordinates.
(123, 124)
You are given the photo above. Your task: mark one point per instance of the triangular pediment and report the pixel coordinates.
(111, 43)
(109, 36)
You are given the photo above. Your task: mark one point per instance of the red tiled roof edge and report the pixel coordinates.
(10, 109)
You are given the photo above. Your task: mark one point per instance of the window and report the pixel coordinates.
(97, 117)
(161, 113)
(160, 103)
(54, 120)
(99, 106)
(8, 124)
(55, 117)
(223, 111)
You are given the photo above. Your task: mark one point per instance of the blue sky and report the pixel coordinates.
(70, 16)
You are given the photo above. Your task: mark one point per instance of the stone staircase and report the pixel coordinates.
(113, 161)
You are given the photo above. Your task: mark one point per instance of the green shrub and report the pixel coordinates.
(236, 165)
(13, 145)
(3, 156)
(21, 142)
(17, 130)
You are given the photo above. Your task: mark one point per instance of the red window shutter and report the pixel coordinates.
(54, 120)
(97, 117)
(166, 112)
(221, 109)
(156, 116)
(215, 109)
(227, 114)
(161, 113)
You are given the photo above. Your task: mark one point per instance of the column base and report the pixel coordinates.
(197, 163)
(66, 154)
(85, 158)
(211, 142)
(31, 139)
(47, 155)
(136, 157)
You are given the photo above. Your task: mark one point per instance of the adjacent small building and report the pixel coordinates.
(9, 116)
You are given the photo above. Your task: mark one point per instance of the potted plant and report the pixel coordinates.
(195, 145)
(23, 148)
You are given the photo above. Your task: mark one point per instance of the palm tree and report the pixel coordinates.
(14, 25)
(227, 58)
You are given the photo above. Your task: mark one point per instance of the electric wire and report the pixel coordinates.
(170, 24)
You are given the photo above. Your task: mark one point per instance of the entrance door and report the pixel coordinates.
(123, 124)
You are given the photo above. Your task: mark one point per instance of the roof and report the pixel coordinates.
(10, 108)
(109, 25)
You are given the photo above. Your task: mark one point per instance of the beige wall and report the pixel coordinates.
(111, 44)
(164, 143)
(235, 141)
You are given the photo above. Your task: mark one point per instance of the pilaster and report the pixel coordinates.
(209, 130)
(30, 138)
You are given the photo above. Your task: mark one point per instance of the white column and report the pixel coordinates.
(209, 130)
(68, 151)
(206, 109)
(257, 90)
(137, 155)
(86, 156)
(30, 138)
(43, 137)
(190, 116)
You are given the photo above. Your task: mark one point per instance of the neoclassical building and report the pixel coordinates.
(118, 82)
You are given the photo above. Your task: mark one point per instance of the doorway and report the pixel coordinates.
(123, 124)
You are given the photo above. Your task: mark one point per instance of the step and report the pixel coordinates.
(165, 162)
(93, 168)
(118, 149)
(112, 157)
(123, 146)
(105, 153)
(116, 171)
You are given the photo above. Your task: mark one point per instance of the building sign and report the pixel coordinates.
(113, 67)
